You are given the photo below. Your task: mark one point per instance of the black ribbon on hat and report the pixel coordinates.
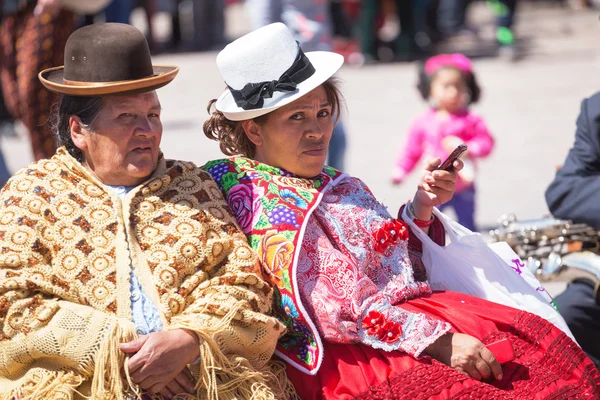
(252, 95)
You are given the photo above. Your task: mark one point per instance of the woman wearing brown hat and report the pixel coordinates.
(352, 288)
(121, 272)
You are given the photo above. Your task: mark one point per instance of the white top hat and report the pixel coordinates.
(266, 69)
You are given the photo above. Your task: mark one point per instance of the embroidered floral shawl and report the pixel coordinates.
(67, 247)
(273, 208)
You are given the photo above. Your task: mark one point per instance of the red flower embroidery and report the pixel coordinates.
(390, 233)
(390, 332)
(376, 325)
(373, 322)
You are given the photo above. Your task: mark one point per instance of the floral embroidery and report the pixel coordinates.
(293, 198)
(390, 332)
(245, 205)
(288, 306)
(373, 322)
(276, 254)
(271, 206)
(376, 325)
(390, 233)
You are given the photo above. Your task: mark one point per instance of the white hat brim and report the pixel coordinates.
(326, 65)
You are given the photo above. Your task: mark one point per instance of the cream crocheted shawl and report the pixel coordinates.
(67, 244)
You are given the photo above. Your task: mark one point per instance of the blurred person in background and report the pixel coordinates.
(452, 16)
(405, 45)
(504, 10)
(6, 129)
(120, 11)
(33, 36)
(209, 24)
(311, 23)
(573, 195)
(448, 83)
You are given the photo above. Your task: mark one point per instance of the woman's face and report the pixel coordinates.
(123, 144)
(295, 137)
(449, 90)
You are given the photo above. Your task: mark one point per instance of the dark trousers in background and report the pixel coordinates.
(5, 124)
(451, 15)
(463, 204)
(506, 18)
(209, 24)
(578, 307)
(29, 44)
(367, 27)
(119, 11)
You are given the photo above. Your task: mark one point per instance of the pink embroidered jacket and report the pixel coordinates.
(340, 261)
(345, 276)
(427, 132)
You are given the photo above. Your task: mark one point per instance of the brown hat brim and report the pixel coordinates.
(53, 79)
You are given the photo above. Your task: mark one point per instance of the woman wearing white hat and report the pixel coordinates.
(351, 288)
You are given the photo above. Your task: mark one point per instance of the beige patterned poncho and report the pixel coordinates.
(67, 244)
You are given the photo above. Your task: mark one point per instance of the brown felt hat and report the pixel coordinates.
(103, 59)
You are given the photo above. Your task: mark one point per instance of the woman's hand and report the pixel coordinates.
(160, 358)
(466, 354)
(436, 188)
(182, 383)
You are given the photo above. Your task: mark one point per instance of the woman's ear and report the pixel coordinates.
(253, 131)
(78, 132)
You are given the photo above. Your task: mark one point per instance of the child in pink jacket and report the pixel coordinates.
(448, 83)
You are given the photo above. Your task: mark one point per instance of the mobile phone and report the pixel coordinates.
(455, 155)
(502, 350)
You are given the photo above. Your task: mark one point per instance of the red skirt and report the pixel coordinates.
(548, 364)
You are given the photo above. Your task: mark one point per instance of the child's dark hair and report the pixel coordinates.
(425, 80)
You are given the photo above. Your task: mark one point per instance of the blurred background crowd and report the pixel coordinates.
(518, 48)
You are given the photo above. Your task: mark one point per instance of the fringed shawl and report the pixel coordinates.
(67, 246)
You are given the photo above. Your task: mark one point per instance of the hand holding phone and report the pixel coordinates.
(448, 163)
(502, 349)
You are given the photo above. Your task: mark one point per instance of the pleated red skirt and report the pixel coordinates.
(548, 364)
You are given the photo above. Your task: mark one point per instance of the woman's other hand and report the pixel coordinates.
(159, 359)
(435, 188)
(466, 354)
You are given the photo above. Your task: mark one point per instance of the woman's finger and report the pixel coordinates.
(495, 366)
(458, 165)
(176, 388)
(186, 380)
(165, 393)
(448, 186)
(140, 375)
(154, 382)
(484, 369)
(470, 368)
(462, 371)
(433, 163)
(442, 175)
(136, 364)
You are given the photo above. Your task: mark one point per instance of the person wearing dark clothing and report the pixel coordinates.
(32, 37)
(574, 195)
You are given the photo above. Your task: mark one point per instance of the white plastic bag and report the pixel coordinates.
(469, 265)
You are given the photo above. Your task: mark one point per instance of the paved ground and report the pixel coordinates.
(530, 105)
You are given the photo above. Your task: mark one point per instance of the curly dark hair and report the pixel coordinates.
(231, 135)
(425, 80)
(85, 107)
